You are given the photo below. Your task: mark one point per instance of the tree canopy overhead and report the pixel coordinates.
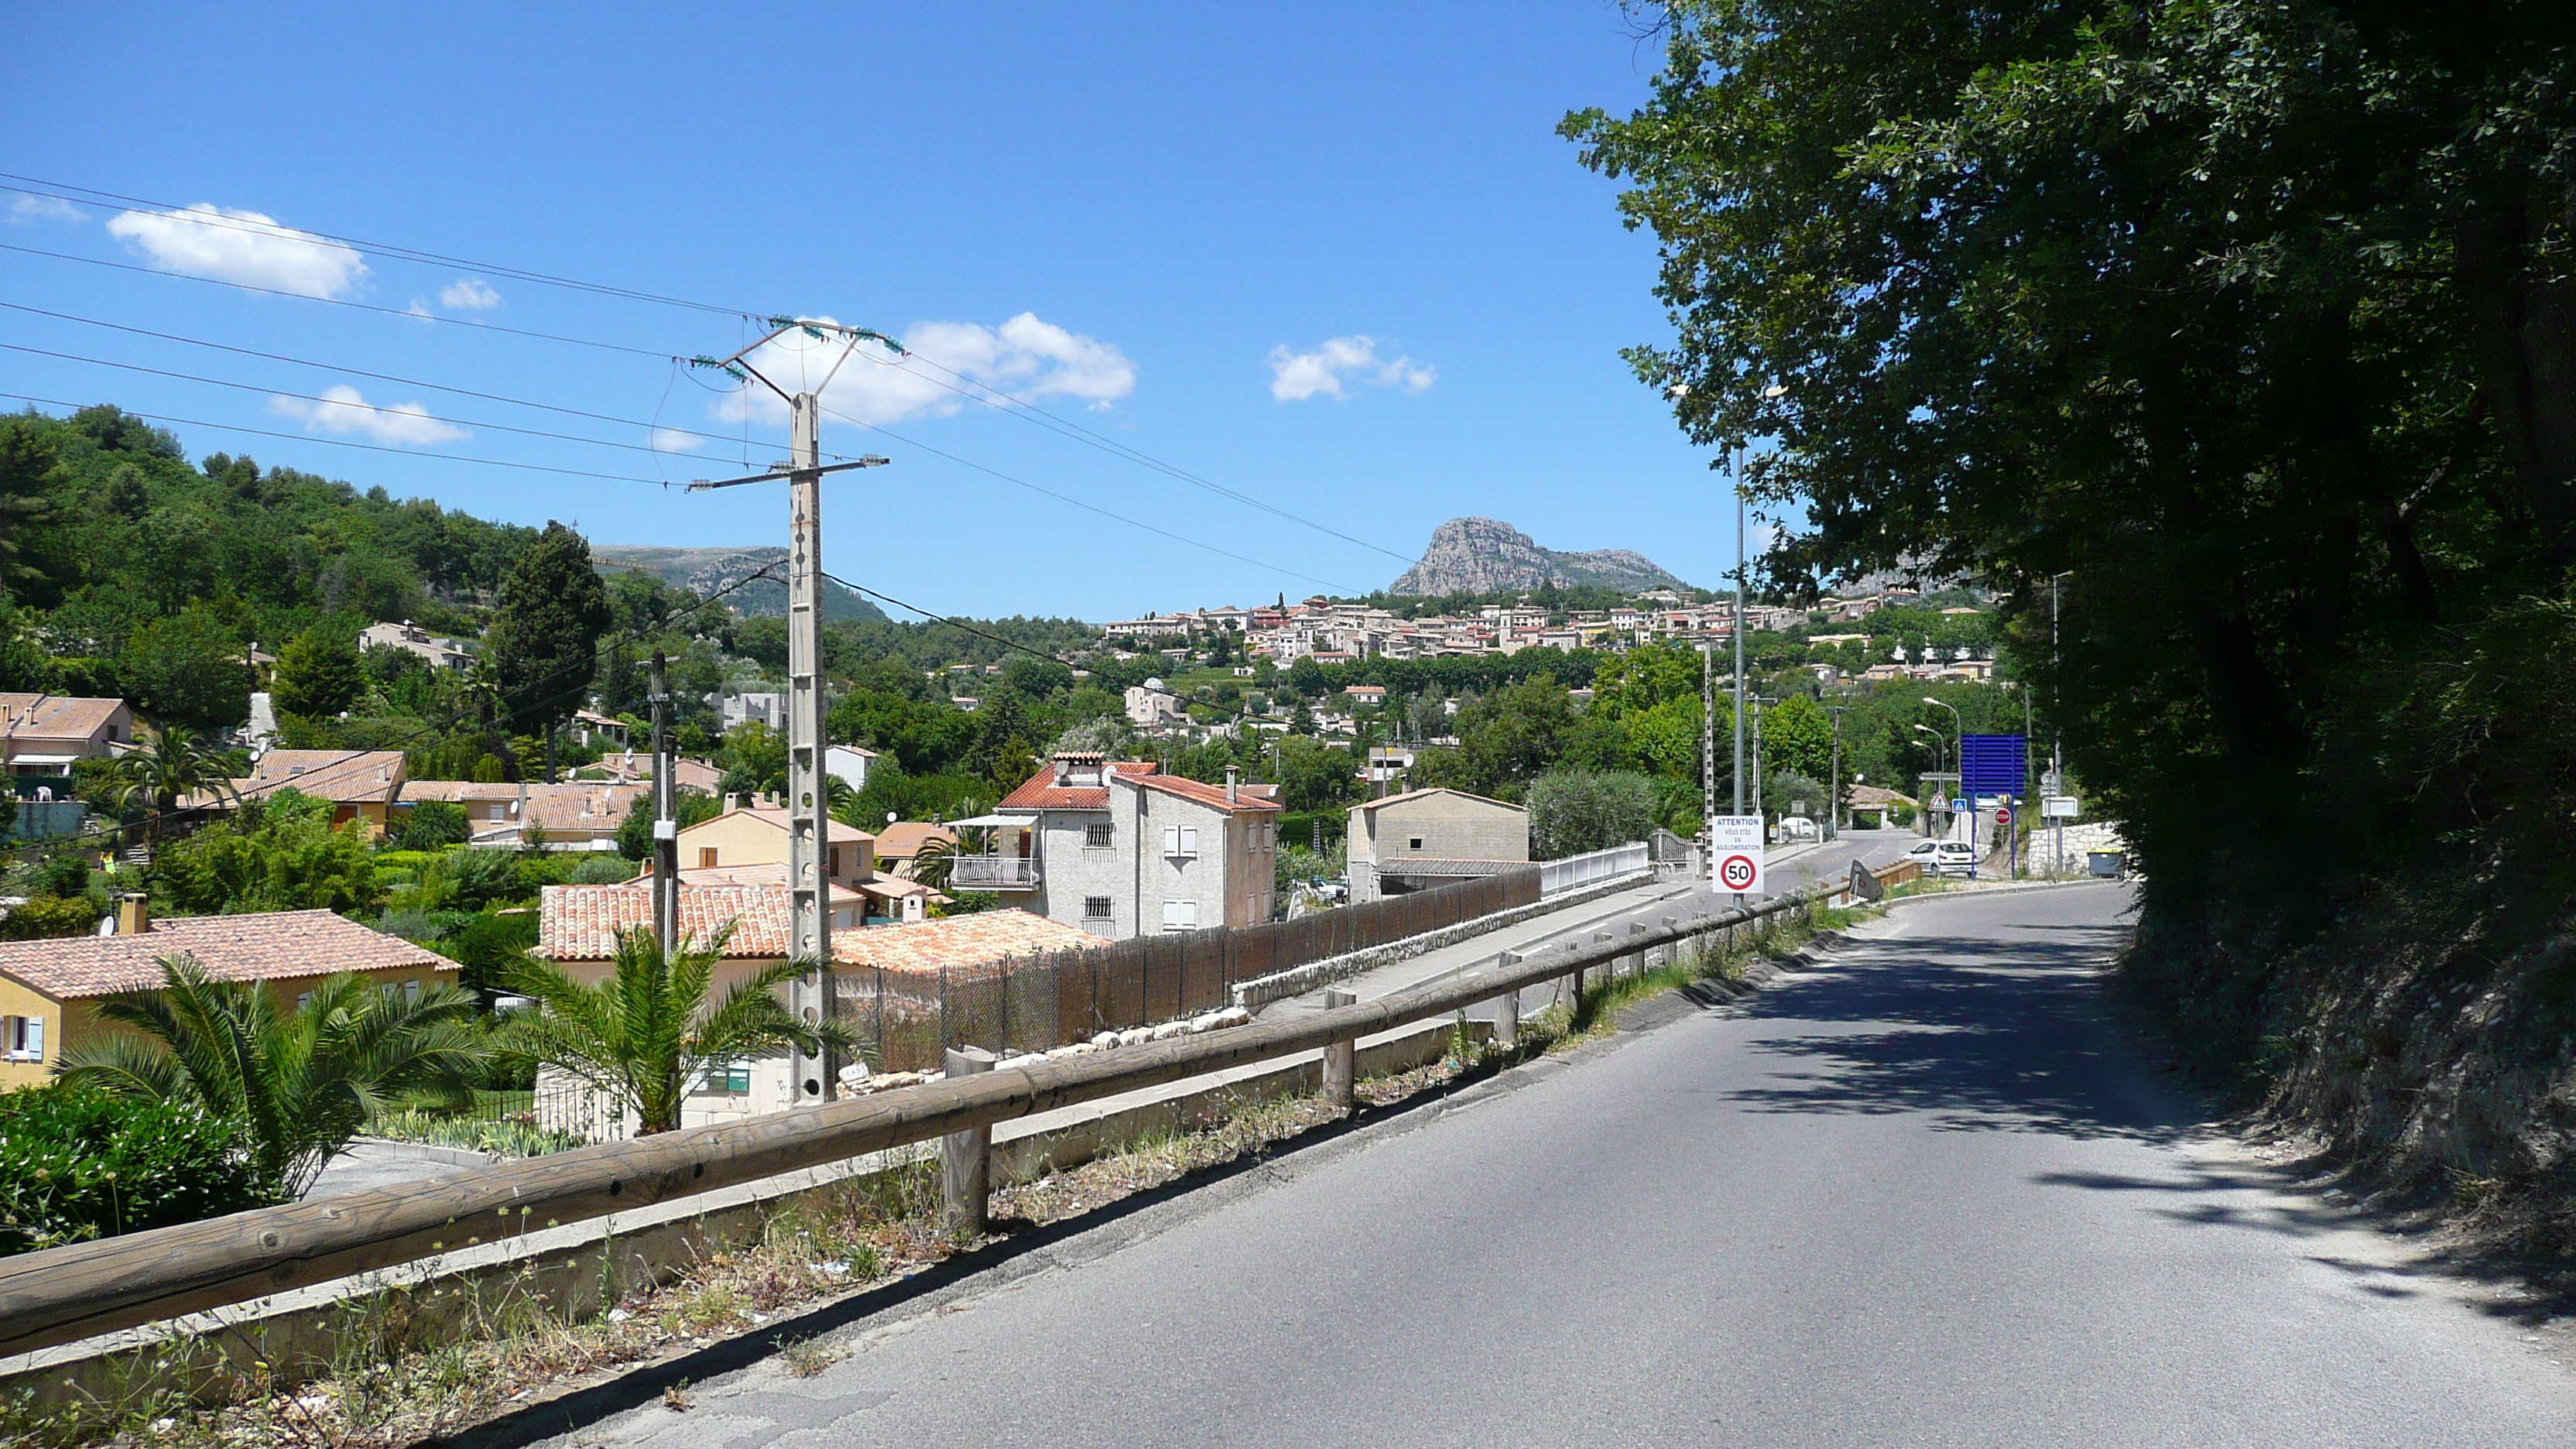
(2253, 320)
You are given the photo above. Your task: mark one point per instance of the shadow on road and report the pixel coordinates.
(2006, 1034)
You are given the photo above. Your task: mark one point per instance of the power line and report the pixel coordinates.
(453, 718)
(1030, 650)
(403, 312)
(36, 186)
(332, 401)
(1072, 431)
(1078, 503)
(980, 391)
(54, 402)
(356, 372)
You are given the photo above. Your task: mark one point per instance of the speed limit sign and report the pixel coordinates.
(1741, 874)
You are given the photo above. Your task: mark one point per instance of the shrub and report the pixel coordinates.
(1572, 811)
(434, 824)
(77, 1162)
(602, 869)
(45, 917)
(486, 877)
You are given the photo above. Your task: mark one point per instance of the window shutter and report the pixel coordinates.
(1171, 840)
(1171, 914)
(36, 1037)
(1190, 914)
(1189, 840)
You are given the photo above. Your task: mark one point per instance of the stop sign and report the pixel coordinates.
(2003, 817)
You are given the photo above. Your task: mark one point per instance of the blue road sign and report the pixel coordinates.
(1992, 764)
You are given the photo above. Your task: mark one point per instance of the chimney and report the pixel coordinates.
(1233, 787)
(133, 914)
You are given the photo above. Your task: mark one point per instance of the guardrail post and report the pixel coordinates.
(1341, 1058)
(966, 1158)
(1637, 962)
(1673, 952)
(1507, 1007)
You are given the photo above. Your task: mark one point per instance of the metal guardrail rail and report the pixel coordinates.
(62, 1294)
(1577, 871)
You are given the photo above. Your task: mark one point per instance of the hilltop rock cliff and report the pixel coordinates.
(704, 571)
(1483, 556)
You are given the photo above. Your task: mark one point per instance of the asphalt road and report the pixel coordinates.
(1928, 1196)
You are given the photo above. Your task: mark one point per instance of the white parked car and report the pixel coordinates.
(1944, 857)
(1793, 830)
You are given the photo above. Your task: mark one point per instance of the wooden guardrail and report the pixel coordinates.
(72, 1292)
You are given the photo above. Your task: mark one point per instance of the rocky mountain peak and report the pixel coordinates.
(1487, 556)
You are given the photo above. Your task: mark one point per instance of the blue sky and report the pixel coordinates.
(1332, 257)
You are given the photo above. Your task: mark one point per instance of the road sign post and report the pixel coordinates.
(2012, 842)
(1735, 848)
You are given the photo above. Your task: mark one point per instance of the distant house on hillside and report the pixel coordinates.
(360, 784)
(43, 735)
(1426, 838)
(411, 639)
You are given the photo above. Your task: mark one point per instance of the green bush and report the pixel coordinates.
(434, 824)
(1572, 811)
(486, 877)
(602, 869)
(77, 1162)
(45, 917)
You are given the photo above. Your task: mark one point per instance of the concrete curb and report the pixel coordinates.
(2015, 888)
(1298, 980)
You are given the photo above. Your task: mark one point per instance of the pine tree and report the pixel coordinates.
(544, 636)
(318, 673)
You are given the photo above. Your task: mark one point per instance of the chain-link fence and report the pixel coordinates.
(904, 1019)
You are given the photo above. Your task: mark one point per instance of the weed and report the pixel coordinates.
(806, 1357)
(676, 1398)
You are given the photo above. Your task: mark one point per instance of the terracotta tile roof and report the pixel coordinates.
(958, 941)
(581, 922)
(272, 946)
(341, 776)
(33, 717)
(1201, 792)
(1042, 793)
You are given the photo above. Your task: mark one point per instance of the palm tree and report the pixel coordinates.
(303, 1081)
(167, 765)
(646, 1034)
(931, 865)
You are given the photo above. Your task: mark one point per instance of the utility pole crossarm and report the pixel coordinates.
(788, 473)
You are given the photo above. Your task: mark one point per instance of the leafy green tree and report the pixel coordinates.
(544, 638)
(318, 672)
(190, 669)
(79, 1163)
(278, 853)
(435, 825)
(1572, 811)
(688, 807)
(29, 465)
(1314, 775)
(754, 758)
(646, 1034)
(1798, 736)
(303, 1082)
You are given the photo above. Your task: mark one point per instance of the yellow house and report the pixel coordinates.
(49, 990)
(759, 837)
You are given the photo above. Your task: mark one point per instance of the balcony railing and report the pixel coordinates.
(992, 873)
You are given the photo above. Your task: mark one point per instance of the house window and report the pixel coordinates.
(733, 1080)
(1095, 908)
(411, 993)
(1180, 840)
(26, 1038)
(1180, 915)
(833, 865)
(1095, 837)
(1413, 843)
(707, 856)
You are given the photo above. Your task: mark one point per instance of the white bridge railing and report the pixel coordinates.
(1555, 877)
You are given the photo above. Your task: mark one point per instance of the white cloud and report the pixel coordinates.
(1296, 376)
(28, 210)
(468, 294)
(342, 410)
(673, 440)
(243, 247)
(1024, 357)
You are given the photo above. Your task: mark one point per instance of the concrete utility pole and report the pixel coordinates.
(1708, 759)
(809, 819)
(1739, 630)
(666, 817)
(1834, 805)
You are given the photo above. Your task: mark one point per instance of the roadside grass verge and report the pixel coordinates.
(411, 1366)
